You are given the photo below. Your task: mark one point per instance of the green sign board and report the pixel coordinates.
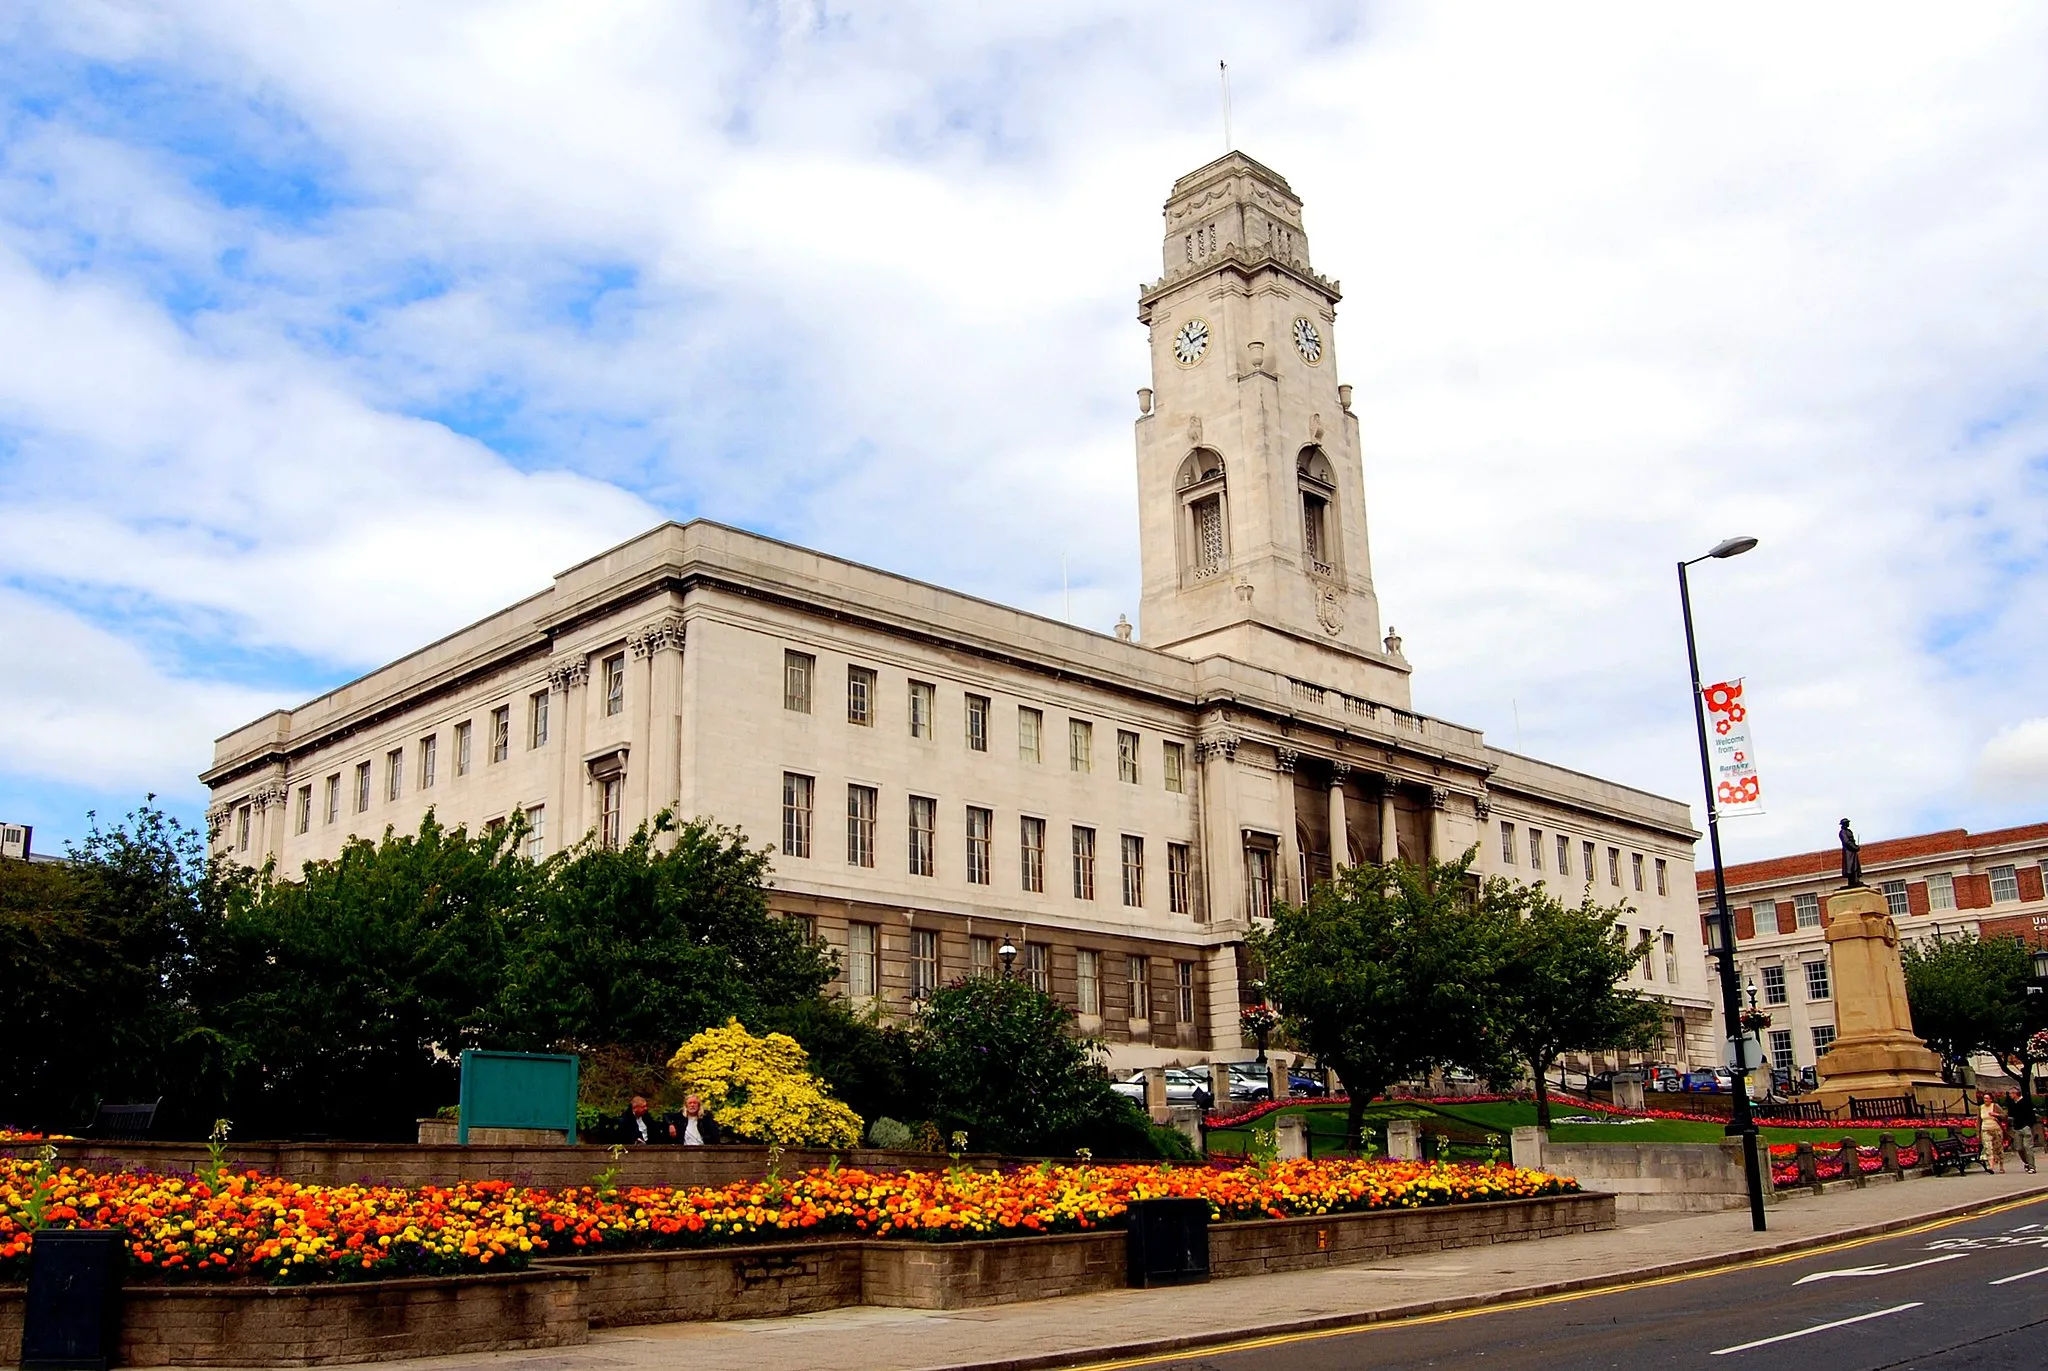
(518, 1090)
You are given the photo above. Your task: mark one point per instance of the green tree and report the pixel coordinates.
(1554, 988)
(650, 943)
(1385, 973)
(1001, 1063)
(1969, 995)
(867, 1061)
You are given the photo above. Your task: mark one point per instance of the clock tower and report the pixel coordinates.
(1250, 489)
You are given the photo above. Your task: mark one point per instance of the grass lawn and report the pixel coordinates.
(1468, 1126)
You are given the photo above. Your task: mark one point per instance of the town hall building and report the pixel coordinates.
(940, 775)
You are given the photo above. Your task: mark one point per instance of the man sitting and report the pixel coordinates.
(640, 1126)
(696, 1127)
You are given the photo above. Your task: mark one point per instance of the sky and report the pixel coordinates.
(327, 328)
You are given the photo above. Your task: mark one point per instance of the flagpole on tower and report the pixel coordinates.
(1223, 69)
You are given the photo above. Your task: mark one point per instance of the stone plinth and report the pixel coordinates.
(1875, 1053)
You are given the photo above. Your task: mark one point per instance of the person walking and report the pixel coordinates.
(2025, 1119)
(1990, 1132)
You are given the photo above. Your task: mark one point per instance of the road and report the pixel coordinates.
(1970, 1293)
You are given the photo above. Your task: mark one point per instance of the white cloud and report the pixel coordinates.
(1617, 285)
(2014, 763)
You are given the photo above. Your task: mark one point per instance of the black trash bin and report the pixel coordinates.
(71, 1320)
(1167, 1242)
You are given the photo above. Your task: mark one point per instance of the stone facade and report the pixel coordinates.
(940, 774)
(1935, 885)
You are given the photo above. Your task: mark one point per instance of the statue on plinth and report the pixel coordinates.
(1852, 858)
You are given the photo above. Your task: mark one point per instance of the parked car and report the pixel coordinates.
(1663, 1078)
(1181, 1086)
(1703, 1082)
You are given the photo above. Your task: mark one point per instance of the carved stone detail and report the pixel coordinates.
(1481, 806)
(1220, 745)
(566, 674)
(1439, 798)
(276, 793)
(1286, 759)
(652, 638)
(1340, 772)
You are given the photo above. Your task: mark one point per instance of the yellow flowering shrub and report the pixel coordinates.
(762, 1089)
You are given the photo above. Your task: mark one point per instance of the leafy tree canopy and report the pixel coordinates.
(1969, 995)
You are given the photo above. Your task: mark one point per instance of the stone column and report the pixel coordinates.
(1439, 807)
(1390, 829)
(1155, 1093)
(1290, 1137)
(1219, 1085)
(1340, 824)
(1404, 1140)
(1277, 1080)
(273, 804)
(1526, 1147)
(1223, 844)
(1284, 761)
(655, 780)
(570, 677)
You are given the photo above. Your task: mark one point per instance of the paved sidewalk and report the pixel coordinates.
(1048, 1333)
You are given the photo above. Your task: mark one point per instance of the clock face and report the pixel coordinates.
(1308, 342)
(1191, 342)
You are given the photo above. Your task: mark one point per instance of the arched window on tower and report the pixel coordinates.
(1319, 523)
(1205, 516)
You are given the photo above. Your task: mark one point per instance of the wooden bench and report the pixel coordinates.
(1954, 1151)
(124, 1122)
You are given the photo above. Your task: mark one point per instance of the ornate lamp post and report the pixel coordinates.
(1008, 952)
(1741, 1122)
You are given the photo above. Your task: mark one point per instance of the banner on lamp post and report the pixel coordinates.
(1736, 789)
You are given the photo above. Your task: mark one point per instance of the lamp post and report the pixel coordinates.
(1008, 952)
(1741, 1122)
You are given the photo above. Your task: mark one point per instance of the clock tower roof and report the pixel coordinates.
(1235, 212)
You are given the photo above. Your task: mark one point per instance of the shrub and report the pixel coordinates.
(762, 1089)
(889, 1133)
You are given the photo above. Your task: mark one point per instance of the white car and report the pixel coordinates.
(1181, 1086)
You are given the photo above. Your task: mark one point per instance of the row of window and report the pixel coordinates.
(978, 824)
(799, 676)
(1034, 967)
(1941, 895)
(1510, 833)
(1781, 1045)
(1776, 991)
(1651, 945)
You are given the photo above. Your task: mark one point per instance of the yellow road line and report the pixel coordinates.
(1539, 1301)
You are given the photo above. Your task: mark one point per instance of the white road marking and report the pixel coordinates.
(1878, 1270)
(1819, 1328)
(2008, 1280)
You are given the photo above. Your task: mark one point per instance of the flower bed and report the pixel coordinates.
(1967, 1122)
(1828, 1166)
(252, 1228)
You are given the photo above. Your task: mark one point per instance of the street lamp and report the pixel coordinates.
(1008, 952)
(1741, 1122)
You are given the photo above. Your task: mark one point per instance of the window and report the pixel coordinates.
(362, 786)
(1635, 863)
(1138, 986)
(1823, 1037)
(1816, 980)
(615, 684)
(981, 958)
(1177, 878)
(807, 924)
(1765, 914)
(1258, 881)
(797, 669)
(1084, 863)
(1781, 1050)
(1586, 851)
(923, 699)
(860, 696)
(1184, 983)
(242, 837)
(980, 824)
(2005, 884)
(924, 963)
(1313, 508)
(1671, 958)
(860, 959)
(1774, 985)
(1806, 910)
(977, 723)
(1080, 745)
(333, 810)
(1535, 849)
(305, 821)
(1031, 841)
(501, 733)
(536, 832)
(394, 774)
(1173, 766)
(537, 720)
(1564, 855)
(1208, 535)
(1614, 867)
(1507, 842)
(924, 816)
(611, 810)
(1134, 871)
(1649, 962)
(1030, 736)
(1087, 981)
(1895, 898)
(1127, 756)
(1038, 967)
(796, 814)
(1663, 877)
(1941, 891)
(860, 825)
(463, 731)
